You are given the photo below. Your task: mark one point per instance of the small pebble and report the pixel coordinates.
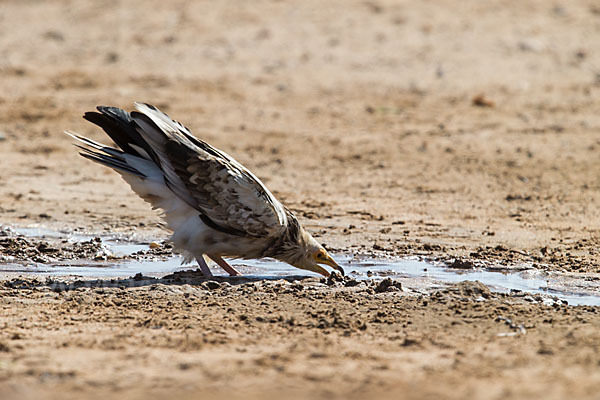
(212, 285)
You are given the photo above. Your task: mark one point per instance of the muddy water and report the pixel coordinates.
(414, 273)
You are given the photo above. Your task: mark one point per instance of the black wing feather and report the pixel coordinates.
(117, 124)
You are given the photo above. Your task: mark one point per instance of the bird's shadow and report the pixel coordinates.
(188, 277)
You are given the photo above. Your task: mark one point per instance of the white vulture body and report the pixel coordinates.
(213, 204)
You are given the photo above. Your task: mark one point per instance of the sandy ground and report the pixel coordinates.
(437, 128)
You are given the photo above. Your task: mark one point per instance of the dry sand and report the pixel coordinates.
(437, 128)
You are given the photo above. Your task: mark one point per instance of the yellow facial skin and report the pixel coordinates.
(322, 257)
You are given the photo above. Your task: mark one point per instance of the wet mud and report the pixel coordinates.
(120, 257)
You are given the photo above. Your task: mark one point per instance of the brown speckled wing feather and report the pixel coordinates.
(229, 197)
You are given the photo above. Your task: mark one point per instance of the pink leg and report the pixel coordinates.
(223, 264)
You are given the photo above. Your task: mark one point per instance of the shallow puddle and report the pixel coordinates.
(415, 274)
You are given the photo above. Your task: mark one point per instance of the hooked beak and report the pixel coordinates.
(331, 262)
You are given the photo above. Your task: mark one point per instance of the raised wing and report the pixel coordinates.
(229, 197)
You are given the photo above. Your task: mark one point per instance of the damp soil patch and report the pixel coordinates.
(131, 261)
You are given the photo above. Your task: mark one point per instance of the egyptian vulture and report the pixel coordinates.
(213, 204)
